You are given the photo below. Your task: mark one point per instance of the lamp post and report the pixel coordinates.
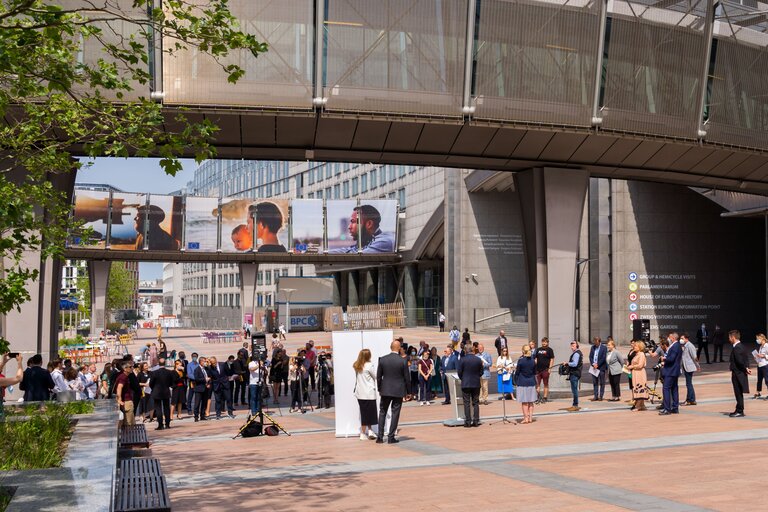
(288, 292)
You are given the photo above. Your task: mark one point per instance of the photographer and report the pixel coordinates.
(10, 381)
(325, 380)
(256, 381)
(296, 373)
(574, 365)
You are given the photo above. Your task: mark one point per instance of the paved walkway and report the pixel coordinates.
(603, 458)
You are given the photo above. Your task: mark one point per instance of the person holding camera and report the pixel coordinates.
(256, 381)
(296, 374)
(670, 371)
(324, 379)
(639, 379)
(10, 381)
(574, 365)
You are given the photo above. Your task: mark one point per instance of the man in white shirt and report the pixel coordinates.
(58, 377)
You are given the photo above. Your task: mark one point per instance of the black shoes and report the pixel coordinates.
(736, 414)
(475, 424)
(665, 412)
(393, 441)
(467, 425)
(379, 440)
(160, 428)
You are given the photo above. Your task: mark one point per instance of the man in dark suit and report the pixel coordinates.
(37, 383)
(391, 378)
(739, 364)
(718, 340)
(670, 372)
(221, 379)
(702, 342)
(448, 364)
(470, 371)
(201, 387)
(500, 342)
(598, 359)
(160, 382)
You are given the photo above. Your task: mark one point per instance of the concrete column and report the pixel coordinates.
(410, 284)
(248, 274)
(352, 295)
(337, 289)
(453, 255)
(367, 291)
(552, 205)
(386, 287)
(98, 275)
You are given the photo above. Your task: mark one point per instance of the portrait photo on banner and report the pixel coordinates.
(164, 223)
(239, 233)
(201, 224)
(369, 226)
(307, 226)
(129, 212)
(92, 209)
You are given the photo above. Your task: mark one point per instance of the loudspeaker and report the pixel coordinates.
(641, 330)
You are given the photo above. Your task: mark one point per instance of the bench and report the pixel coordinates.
(132, 436)
(141, 486)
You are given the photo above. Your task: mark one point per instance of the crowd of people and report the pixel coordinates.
(159, 385)
(525, 378)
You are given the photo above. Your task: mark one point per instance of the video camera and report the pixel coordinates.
(258, 346)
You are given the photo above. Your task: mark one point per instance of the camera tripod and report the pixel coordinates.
(652, 392)
(260, 416)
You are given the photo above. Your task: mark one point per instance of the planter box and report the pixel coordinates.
(86, 479)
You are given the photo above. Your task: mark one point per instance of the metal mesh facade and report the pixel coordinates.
(536, 61)
(654, 64)
(395, 55)
(114, 31)
(280, 77)
(533, 61)
(737, 107)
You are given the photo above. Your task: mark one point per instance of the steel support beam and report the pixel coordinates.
(318, 100)
(596, 118)
(467, 108)
(710, 28)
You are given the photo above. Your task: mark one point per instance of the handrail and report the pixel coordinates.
(507, 312)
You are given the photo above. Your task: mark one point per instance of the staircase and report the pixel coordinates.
(511, 330)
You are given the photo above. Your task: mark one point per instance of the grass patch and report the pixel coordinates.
(5, 498)
(40, 440)
(71, 408)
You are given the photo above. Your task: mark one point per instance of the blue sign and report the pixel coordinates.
(193, 245)
(633, 307)
(301, 247)
(633, 276)
(304, 321)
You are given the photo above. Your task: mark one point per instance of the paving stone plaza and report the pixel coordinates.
(604, 457)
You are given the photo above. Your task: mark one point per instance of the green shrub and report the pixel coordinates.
(39, 441)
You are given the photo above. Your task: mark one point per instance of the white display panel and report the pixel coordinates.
(346, 346)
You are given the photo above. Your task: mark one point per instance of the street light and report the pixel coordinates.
(288, 292)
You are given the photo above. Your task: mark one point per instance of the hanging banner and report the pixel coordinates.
(201, 225)
(307, 226)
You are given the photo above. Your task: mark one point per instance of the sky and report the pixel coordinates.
(137, 175)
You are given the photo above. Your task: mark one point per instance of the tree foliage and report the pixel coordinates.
(120, 290)
(71, 72)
